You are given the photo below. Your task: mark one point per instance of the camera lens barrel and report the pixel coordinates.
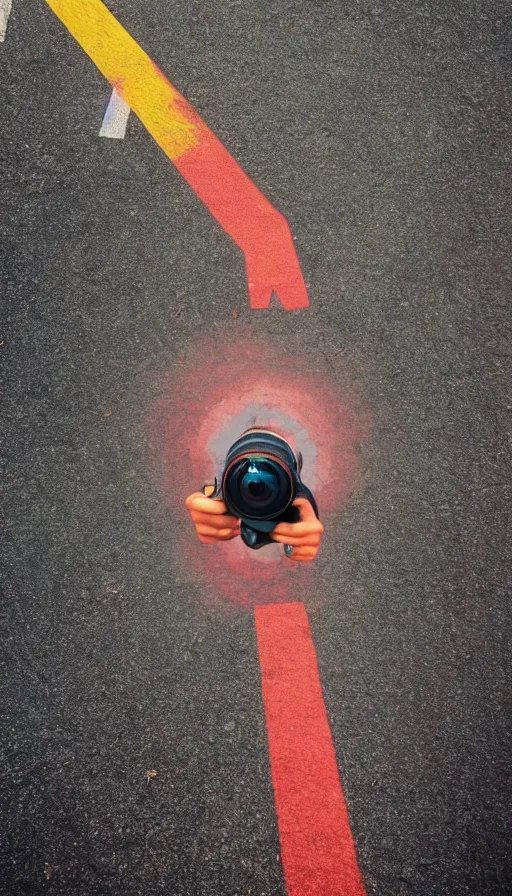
(259, 482)
(258, 487)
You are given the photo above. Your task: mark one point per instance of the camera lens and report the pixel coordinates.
(258, 488)
(259, 483)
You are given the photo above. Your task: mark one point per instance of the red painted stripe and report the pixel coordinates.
(317, 848)
(245, 213)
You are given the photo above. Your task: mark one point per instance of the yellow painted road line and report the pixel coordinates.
(144, 88)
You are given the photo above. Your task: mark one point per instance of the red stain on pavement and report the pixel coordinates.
(317, 847)
(224, 386)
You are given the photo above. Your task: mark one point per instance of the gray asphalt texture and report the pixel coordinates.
(382, 131)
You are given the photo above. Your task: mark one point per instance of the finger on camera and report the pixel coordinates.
(216, 539)
(212, 532)
(306, 509)
(304, 541)
(303, 555)
(197, 501)
(299, 530)
(220, 521)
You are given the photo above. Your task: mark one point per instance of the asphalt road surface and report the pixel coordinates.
(382, 132)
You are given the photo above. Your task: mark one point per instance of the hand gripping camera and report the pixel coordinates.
(259, 483)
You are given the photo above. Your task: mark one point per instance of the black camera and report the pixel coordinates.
(259, 483)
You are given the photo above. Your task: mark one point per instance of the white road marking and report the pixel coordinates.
(115, 118)
(5, 11)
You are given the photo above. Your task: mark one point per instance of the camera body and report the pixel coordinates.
(259, 483)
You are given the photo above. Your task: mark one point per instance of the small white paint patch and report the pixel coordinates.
(115, 118)
(5, 11)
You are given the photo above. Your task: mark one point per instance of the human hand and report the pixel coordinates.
(304, 536)
(211, 518)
